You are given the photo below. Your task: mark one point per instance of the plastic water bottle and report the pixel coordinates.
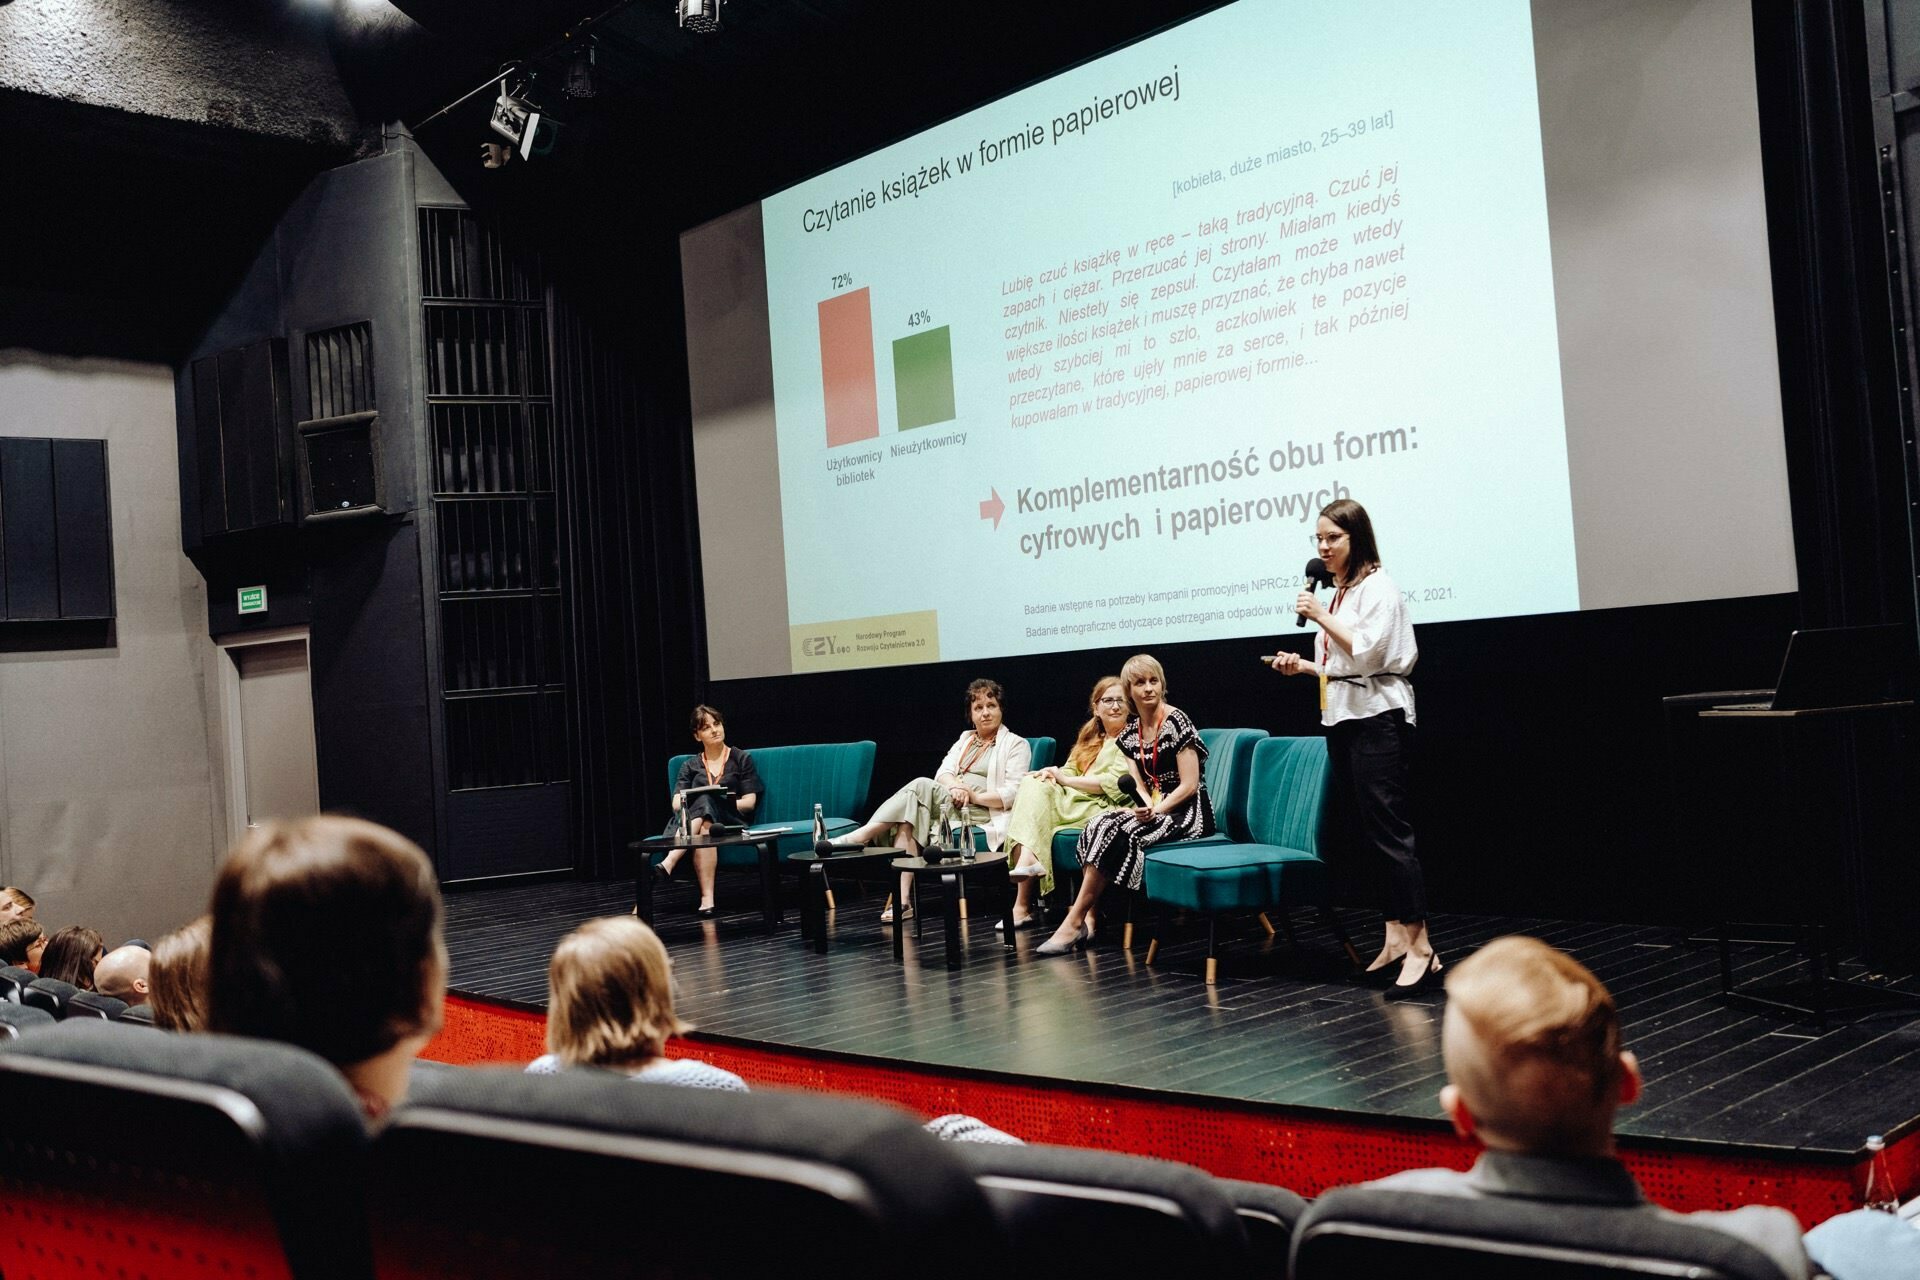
(819, 827)
(1881, 1195)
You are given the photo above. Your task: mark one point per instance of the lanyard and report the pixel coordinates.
(1150, 757)
(1326, 646)
(972, 755)
(713, 775)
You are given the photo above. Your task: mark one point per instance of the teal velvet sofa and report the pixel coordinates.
(1276, 866)
(834, 775)
(1229, 759)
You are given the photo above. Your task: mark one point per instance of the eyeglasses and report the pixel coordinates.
(1328, 539)
(1111, 702)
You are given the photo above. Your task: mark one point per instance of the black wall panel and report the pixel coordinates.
(56, 531)
(83, 528)
(26, 525)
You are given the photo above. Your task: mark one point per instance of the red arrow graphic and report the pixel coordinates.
(992, 508)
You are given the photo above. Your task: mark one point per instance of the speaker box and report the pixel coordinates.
(340, 468)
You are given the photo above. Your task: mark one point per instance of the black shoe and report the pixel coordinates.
(662, 873)
(1428, 981)
(1382, 978)
(704, 913)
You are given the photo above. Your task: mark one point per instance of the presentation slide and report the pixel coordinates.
(1080, 368)
(1087, 363)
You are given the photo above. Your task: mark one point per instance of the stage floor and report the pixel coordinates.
(1272, 1032)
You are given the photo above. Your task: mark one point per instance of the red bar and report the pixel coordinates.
(846, 368)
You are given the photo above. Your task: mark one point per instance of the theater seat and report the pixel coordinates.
(1069, 1211)
(91, 1004)
(49, 994)
(498, 1174)
(18, 1019)
(1268, 1214)
(233, 1157)
(1359, 1231)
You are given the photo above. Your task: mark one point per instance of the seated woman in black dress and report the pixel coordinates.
(715, 765)
(1164, 754)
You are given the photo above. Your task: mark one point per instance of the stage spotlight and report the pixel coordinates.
(699, 15)
(583, 81)
(523, 124)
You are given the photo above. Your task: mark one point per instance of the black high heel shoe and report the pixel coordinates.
(1382, 978)
(1428, 981)
(662, 873)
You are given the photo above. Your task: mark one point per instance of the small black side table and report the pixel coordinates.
(767, 842)
(950, 874)
(871, 863)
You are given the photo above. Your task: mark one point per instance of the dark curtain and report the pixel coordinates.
(625, 461)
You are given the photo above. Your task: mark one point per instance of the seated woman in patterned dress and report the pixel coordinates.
(978, 777)
(1068, 795)
(611, 1006)
(1164, 756)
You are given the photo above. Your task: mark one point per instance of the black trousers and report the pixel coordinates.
(1368, 808)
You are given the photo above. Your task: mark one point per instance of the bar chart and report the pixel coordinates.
(923, 378)
(922, 371)
(846, 368)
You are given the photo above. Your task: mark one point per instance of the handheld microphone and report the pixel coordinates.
(1128, 788)
(1317, 576)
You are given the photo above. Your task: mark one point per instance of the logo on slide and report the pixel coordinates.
(820, 647)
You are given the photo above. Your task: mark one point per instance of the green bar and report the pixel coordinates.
(923, 378)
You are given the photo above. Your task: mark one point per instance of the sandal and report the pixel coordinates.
(886, 915)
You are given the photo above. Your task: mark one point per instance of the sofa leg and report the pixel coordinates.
(1266, 924)
(1213, 951)
(831, 905)
(1153, 945)
(1332, 919)
(1213, 970)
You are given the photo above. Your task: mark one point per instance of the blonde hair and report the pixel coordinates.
(18, 897)
(1093, 734)
(1532, 1041)
(1141, 664)
(612, 995)
(177, 977)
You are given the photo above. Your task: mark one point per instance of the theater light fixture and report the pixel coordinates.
(702, 16)
(583, 80)
(523, 124)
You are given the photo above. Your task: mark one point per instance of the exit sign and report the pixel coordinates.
(253, 599)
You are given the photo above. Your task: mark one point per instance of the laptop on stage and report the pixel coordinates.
(1828, 667)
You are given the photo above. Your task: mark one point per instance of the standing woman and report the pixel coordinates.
(1164, 754)
(1066, 795)
(979, 776)
(715, 765)
(1366, 653)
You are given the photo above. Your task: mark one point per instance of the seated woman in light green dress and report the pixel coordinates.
(1066, 796)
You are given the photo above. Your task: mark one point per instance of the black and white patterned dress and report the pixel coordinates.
(1116, 843)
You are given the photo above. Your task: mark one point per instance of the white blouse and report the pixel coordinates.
(1007, 761)
(1383, 652)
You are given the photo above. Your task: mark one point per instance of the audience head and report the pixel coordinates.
(21, 942)
(611, 1001)
(178, 977)
(1141, 666)
(71, 954)
(1532, 1047)
(1093, 733)
(123, 974)
(15, 904)
(280, 968)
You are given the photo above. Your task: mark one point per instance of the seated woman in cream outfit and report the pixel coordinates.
(980, 774)
(1066, 796)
